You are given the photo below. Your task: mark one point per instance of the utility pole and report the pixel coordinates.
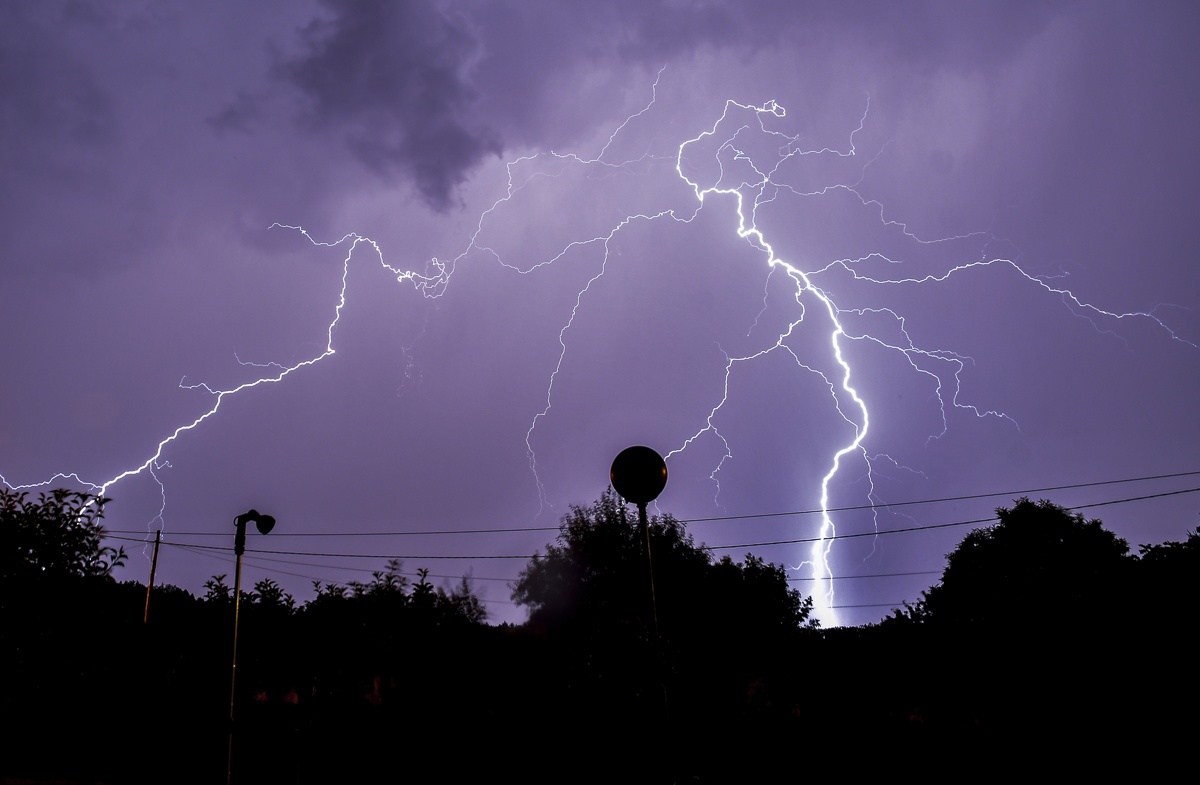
(153, 567)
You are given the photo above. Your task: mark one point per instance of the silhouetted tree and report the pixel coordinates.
(59, 535)
(327, 591)
(423, 595)
(217, 591)
(755, 596)
(268, 594)
(1041, 564)
(464, 603)
(387, 593)
(1180, 559)
(1166, 585)
(596, 575)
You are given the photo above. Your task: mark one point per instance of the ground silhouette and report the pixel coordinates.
(1006, 659)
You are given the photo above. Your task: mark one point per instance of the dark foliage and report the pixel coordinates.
(1040, 565)
(59, 535)
(387, 594)
(330, 691)
(267, 594)
(1044, 628)
(597, 573)
(719, 671)
(596, 577)
(1174, 564)
(1166, 584)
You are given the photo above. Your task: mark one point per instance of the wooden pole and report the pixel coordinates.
(153, 567)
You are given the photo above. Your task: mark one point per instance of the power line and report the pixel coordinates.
(879, 575)
(256, 562)
(944, 499)
(361, 534)
(363, 569)
(203, 549)
(872, 605)
(252, 562)
(937, 525)
(432, 532)
(338, 555)
(231, 561)
(206, 550)
(509, 602)
(708, 547)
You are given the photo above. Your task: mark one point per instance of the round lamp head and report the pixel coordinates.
(265, 523)
(638, 474)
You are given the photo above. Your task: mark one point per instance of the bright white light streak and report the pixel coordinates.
(736, 122)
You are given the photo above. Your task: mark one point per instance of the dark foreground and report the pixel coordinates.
(91, 694)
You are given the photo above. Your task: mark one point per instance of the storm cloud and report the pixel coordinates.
(393, 78)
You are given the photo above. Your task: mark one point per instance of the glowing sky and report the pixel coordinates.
(931, 174)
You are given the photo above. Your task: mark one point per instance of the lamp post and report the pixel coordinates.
(264, 524)
(639, 475)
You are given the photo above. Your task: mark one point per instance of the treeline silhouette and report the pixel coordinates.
(1046, 638)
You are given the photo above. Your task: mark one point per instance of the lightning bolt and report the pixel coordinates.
(431, 283)
(753, 181)
(765, 187)
(155, 461)
(741, 121)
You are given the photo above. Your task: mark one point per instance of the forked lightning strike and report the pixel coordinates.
(737, 126)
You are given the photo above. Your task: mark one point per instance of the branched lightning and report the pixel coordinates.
(431, 283)
(156, 460)
(764, 190)
(837, 327)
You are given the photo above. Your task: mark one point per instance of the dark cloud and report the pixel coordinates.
(426, 90)
(393, 78)
(534, 50)
(58, 128)
(239, 115)
(53, 112)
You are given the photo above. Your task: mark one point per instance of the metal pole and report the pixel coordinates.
(662, 659)
(650, 563)
(153, 567)
(239, 547)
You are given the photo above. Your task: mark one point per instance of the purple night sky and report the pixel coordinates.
(557, 273)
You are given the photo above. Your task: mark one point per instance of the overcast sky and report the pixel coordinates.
(943, 248)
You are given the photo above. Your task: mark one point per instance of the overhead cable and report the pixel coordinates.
(526, 557)
(433, 532)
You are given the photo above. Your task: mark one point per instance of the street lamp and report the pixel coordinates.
(264, 524)
(639, 475)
